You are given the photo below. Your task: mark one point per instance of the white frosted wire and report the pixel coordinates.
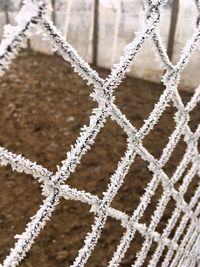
(179, 253)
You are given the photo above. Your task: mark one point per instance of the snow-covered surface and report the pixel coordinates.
(181, 251)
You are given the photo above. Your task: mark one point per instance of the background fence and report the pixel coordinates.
(117, 22)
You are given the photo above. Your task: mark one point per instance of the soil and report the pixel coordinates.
(43, 105)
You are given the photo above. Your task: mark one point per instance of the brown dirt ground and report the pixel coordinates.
(43, 105)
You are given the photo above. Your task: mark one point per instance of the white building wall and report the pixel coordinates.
(184, 30)
(131, 20)
(118, 22)
(75, 20)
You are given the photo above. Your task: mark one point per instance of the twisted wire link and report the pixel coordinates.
(37, 13)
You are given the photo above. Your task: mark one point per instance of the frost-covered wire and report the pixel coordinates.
(36, 12)
(14, 36)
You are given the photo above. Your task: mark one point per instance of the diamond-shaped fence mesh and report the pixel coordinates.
(183, 249)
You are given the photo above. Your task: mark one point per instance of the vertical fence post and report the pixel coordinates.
(174, 18)
(28, 40)
(53, 11)
(95, 32)
(116, 30)
(67, 18)
(6, 14)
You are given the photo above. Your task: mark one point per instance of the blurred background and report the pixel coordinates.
(99, 30)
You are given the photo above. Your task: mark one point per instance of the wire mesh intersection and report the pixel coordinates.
(184, 253)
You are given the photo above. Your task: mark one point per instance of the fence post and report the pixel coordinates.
(53, 12)
(172, 31)
(95, 32)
